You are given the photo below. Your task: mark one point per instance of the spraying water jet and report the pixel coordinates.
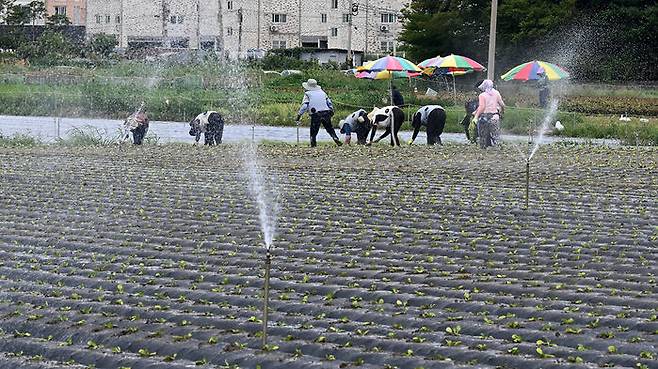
(267, 203)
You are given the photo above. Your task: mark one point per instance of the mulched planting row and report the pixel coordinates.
(417, 257)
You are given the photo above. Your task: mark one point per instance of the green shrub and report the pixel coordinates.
(19, 140)
(88, 136)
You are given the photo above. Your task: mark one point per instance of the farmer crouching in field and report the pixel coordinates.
(490, 108)
(211, 124)
(357, 122)
(433, 118)
(319, 107)
(137, 124)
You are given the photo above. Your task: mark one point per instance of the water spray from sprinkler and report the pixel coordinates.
(267, 203)
(546, 123)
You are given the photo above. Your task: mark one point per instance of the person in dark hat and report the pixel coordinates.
(318, 105)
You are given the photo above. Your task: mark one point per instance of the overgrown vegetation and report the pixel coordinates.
(586, 36)
(175, 92)
(19, 140)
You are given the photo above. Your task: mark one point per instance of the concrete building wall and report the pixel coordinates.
(75, 10)
(241, 25)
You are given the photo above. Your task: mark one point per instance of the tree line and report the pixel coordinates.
(595, 40)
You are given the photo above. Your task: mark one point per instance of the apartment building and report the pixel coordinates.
(238, 26)
(74, 10)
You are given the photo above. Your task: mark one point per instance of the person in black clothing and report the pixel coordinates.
(470, 106)
(398, 100)
(211, 124)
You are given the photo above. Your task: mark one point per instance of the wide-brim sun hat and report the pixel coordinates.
(311, 85)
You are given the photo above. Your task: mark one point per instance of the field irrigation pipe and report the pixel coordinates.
(266, 294)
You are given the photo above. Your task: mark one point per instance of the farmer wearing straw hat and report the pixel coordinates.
(318, 105)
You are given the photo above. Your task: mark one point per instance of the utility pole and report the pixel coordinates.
(123, 21)
(349, 34)
(219, 44)
(299, 21)
(198, 25)
(492, 40)
(257, 25)
(165, 19)
(240, 32)
(365, 49)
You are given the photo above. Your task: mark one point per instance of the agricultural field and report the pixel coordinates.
(416, 257)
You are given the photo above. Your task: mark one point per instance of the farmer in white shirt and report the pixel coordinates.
(318, 105)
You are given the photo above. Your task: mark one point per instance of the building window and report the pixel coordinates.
(388, 18)
(176, 19)
(229, 5)
(346, 18)
(118, 19)
(279, 18)
(387, 46)
(323, 18)
(334, 32)
(182, 43)
(229, 31)
(108, 19)
(279, 44)
(60, 10)
(334, 4)
(99, 18)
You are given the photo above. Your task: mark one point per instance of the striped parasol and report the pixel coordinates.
(390, 63)
(385, 75)
(461, 63)
(431, 62)
(528, 71)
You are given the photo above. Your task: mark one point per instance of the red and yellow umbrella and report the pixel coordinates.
(528, 71)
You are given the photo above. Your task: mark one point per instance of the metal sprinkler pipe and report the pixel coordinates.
(527, 183)
(266, 294)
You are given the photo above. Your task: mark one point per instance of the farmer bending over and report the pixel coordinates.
(319, 107)
(137, 124)
(211, 124)
(357, 122)
(433, 118)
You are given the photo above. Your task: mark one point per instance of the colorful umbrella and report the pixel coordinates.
(528, 71)
(391, 64)
(431, 62)
(461, 63)
(385, 75)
